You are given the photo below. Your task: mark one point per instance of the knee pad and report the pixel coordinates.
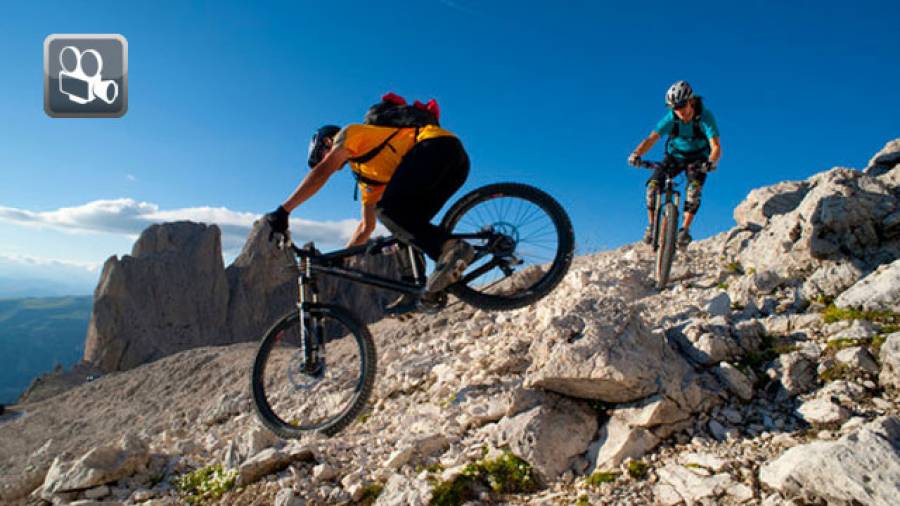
(692, 198)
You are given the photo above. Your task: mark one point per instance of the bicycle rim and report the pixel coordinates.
(541, 244)
(289, 398)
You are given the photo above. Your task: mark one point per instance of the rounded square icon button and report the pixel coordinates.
(85, 76)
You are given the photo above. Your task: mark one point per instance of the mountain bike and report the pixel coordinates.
(664, 227)
(315, 368)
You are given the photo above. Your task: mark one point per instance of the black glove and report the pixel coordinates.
(278, 221)
(710, 166)
(634, 160)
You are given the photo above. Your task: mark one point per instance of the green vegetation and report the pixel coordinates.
(506, 474)
(205, 484)
(833, 314)
(722, 286)
(582, 501)
(835, 345)
(637, 469)
(600, 477)
(734, 268)
(877, 341)
(836, 372)
(370, 493)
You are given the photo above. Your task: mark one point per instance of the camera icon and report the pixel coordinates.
(85, 76)
(80, 78)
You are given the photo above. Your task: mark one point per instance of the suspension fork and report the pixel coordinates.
(310, 326)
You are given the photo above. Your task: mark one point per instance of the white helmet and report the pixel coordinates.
(678, 94)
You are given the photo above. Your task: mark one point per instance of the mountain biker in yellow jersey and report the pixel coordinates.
(693, 137)
(407, 167)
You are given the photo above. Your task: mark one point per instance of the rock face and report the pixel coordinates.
(173, 293)
(99, 466)
(170, 294)
(861, 468)
(843, 215)
(879, 291)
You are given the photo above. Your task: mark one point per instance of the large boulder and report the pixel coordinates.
(862, 467)
(842, 216)
(879, 291)
(263, 286)
(99, 466)
(885, 160)
(764, 203)
(548, 436)
(602, 349)
(169, 295)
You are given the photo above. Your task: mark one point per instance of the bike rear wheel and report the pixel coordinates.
(292, 399)
(530, 251)
(668, 229)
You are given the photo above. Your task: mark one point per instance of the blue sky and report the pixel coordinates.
(224, 95)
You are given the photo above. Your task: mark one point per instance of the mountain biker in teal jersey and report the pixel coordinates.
(693, 137)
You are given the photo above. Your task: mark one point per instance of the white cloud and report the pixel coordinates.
(131, 177)
(34, 261)
(128, 217)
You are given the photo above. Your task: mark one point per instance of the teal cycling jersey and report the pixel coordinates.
(685, 144)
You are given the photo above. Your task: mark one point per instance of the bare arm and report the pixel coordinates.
(316, 178)
(646, 144)
(366, 226)
(715, 150)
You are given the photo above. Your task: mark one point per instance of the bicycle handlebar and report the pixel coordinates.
(647, 164)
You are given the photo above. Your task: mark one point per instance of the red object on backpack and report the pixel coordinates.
(392, 98)
(432, 107)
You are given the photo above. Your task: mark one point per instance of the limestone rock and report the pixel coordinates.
(879, 291)
(735, 381)
(796, 371)
(831, 279)
(548, 436)
(405, 491)
(764, 203)
(857, 357)
(838, 218)
(169, 295)
(860, 467)
(720, 305)
(885, 160)
(616, 359)
(823, 411)
(617, 442)
(890, 361)
(678, 484)
(99, 466)
(269, 461)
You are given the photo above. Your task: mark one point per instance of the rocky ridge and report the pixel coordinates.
(777, 344)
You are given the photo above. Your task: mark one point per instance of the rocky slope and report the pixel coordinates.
(768, 373)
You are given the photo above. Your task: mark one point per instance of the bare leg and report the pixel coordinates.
(688, 219)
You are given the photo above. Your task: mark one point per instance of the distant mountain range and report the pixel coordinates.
(37, 333)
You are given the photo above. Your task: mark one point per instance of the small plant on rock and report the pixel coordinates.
(205, 484)
(506, 474)
(734, 268)
(836, 372)
(637, 469)
(370, 493)
(598, 478)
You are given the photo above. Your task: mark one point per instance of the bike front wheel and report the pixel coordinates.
(293, 396)
(525, 245)
(665, 254)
